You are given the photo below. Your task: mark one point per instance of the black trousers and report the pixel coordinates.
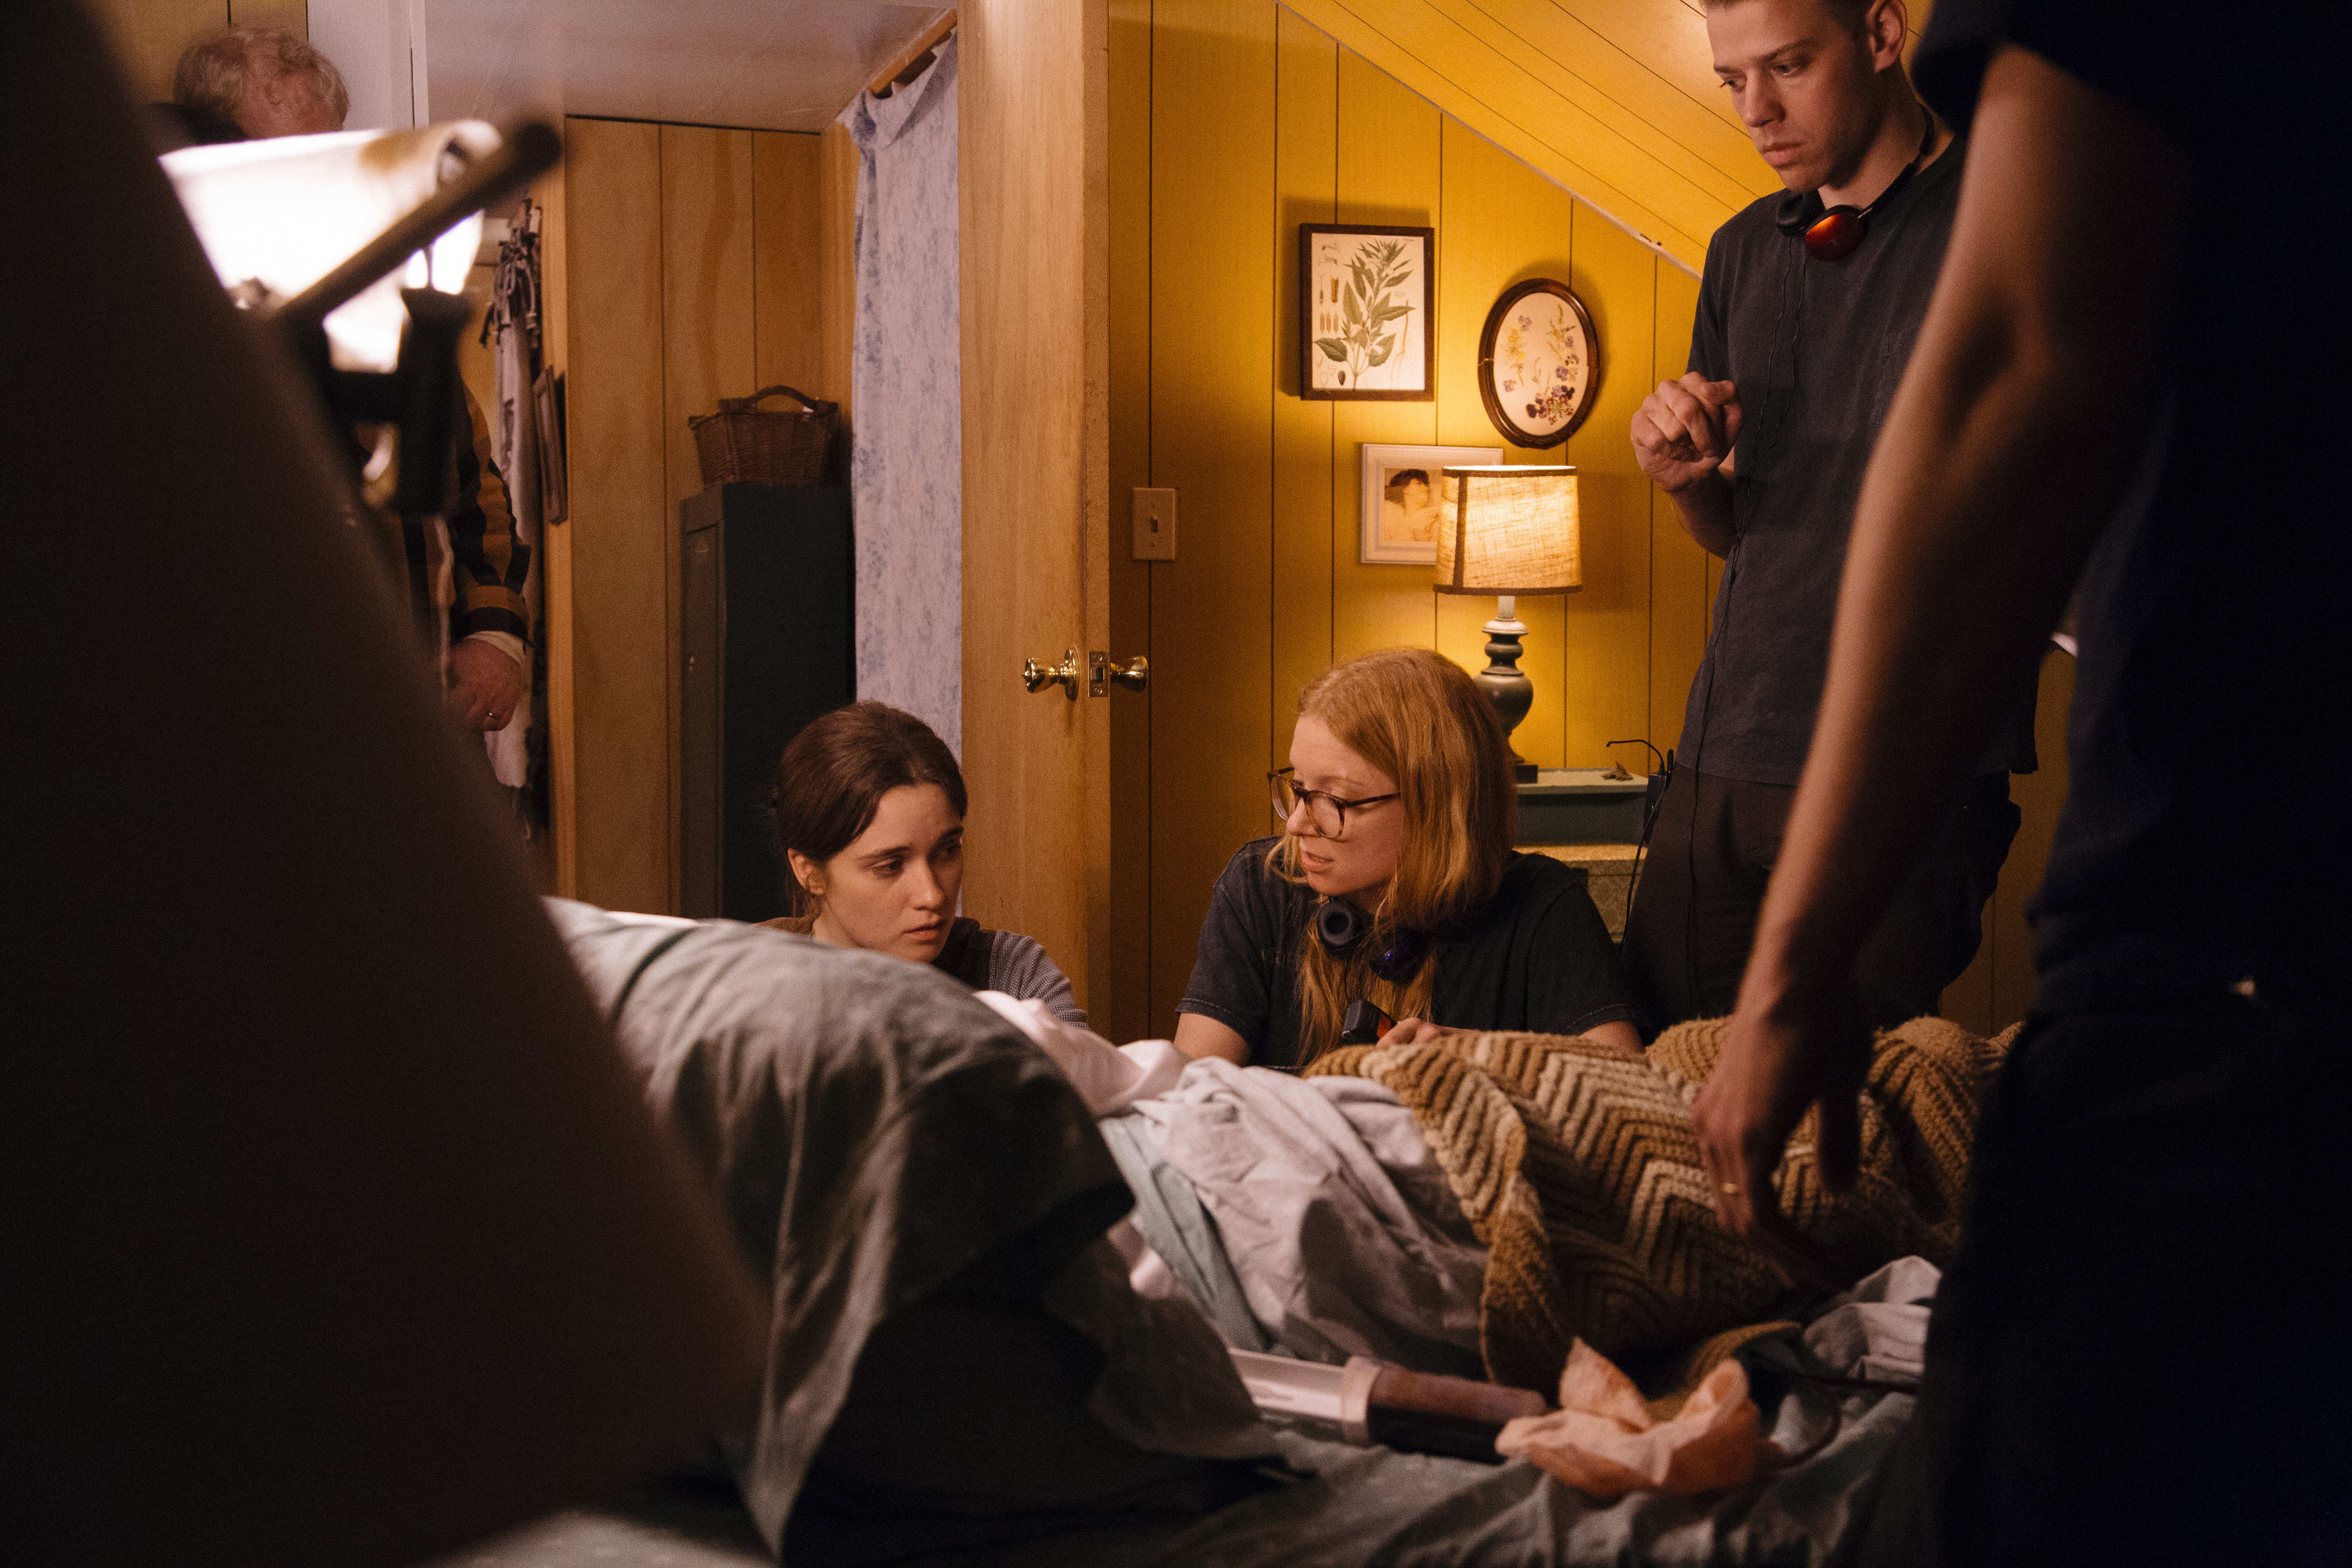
(2138, 1355)
(1712, 852)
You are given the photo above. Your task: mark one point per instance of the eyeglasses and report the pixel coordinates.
(1327, 811)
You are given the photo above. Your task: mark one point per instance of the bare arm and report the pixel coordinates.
(1197, 1035)
(2016, 431)
(1705, 511)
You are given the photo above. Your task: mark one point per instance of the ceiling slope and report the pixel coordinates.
(1613, 99)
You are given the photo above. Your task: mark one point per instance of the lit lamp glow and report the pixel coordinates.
(1508, 529)
(284, 210)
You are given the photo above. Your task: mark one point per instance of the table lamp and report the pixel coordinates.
(1508, 529)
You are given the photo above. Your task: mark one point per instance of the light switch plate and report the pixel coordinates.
(1155, 525)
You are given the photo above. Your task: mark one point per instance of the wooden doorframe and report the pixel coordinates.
(1033, 213)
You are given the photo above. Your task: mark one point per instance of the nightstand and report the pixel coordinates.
(1587, 818)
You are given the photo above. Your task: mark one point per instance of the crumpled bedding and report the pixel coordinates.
(883, 1147)
(1336, 1224)
(872, 1135)
(1372, 1508)
(1305, 1216)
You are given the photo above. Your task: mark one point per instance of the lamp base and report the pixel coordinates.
(1505, 685)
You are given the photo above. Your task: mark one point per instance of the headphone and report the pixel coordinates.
(1838, 232)
(1340, 925)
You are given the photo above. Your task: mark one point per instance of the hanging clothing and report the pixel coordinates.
(512, 327)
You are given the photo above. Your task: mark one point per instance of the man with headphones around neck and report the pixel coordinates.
(1807, 312)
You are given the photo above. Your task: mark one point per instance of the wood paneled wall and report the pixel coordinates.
(1234, 121)
(148, 35)
(2000, 987)
(693, 258)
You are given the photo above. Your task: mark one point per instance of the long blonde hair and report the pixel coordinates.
(1415, 716)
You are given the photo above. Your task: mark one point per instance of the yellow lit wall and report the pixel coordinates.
(1232, 122)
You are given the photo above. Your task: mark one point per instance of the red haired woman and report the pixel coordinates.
(1395, 881)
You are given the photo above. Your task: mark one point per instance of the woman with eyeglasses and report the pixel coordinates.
(870, 808)
(1393, 881)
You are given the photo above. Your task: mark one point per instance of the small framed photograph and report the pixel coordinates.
(1367, 312)
(1401, 513)
(1539, 364)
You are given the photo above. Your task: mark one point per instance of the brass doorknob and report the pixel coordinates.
(1037, 677)
(1135, 675)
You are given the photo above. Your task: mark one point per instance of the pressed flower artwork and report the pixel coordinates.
(1539, 364)
(1367, 296)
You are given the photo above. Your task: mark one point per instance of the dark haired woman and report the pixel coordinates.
(870, 808)
(1395, 881)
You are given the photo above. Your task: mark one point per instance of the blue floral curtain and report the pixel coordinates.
(907, 452)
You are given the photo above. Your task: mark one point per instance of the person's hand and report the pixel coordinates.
(1414, 1032)
(485, 685)
(1684, 431)
(1778, 1062)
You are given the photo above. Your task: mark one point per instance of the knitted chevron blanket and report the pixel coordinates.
(1579, 1167)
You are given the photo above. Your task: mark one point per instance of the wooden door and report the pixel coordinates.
(1033, 139)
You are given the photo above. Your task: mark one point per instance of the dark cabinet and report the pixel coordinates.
(764, 619)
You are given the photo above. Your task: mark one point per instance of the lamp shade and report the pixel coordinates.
(1509, 529)
(287, 209)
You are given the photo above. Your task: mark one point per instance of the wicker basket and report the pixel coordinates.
(745, 444)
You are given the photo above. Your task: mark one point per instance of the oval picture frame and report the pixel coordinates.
(1547, 347)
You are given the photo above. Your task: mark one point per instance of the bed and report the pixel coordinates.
(962, 1369)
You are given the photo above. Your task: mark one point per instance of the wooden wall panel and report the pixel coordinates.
(620, 514)
(2040, 796)
(1246, 102)
(1682, 575)
(1607, 632)
(664, 259)
(1213, 82)
(1309, 490)
(1216, 103)
(706, 350)
(1499, 226)
(294, 15)
(1121, 1012)
(1388, 173)
(1968, 1001)
(787, 260)
(2000, 986)
(149, 35)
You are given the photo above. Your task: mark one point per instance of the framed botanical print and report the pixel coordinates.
(1367, 312)
(1401, 515)
(1539, 364)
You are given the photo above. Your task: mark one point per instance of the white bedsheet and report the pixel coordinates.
(1341, 1230)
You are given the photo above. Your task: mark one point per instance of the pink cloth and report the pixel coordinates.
(1604, 1440)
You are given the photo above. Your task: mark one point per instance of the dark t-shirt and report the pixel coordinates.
(1535, 956)
(1817, 348)
(2204, 836)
